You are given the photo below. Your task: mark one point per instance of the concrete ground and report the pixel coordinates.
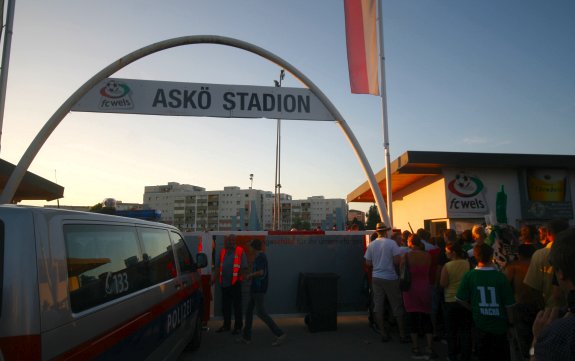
(353, 340)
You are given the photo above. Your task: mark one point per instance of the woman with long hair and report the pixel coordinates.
(417, 299)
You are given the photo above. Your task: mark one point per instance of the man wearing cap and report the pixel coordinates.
(383, 255)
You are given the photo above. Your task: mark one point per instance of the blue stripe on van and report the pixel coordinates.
(142, 335)
(149, 337)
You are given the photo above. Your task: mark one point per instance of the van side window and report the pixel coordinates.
(158, 254)
(185, 259)
(104, 263)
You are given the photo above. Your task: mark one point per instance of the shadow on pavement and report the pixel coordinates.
(353, 340)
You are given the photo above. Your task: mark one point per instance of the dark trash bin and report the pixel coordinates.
(317, 295)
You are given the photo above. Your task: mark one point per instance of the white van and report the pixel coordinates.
(83, 286)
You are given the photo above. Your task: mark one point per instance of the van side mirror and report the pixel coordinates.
(201, 260)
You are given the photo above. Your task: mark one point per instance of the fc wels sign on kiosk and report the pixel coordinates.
(465, 196)
(206, 100)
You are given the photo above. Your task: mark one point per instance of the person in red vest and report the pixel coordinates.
(230, 270)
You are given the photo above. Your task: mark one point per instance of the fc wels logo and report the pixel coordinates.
(116, 95)
(465, 186)
(465, 196)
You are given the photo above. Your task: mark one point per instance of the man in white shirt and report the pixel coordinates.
(383, 254)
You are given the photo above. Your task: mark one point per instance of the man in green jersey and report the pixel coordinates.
(487, 293)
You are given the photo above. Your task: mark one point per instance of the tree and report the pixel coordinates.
(355, 221)
(372, 217)
(99, 208)
(359, 224)
(96, 208)
(300, 224)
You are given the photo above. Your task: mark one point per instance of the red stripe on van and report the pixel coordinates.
(21, 348)
(100, 344)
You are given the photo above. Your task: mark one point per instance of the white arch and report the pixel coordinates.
(52, 123)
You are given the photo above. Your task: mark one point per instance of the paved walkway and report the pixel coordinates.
(354, 340)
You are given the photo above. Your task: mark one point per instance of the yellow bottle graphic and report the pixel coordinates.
(546, 186)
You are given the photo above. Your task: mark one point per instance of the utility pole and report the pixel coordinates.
(276, 223)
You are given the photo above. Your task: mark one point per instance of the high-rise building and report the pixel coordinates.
(313, 212)
(163, 198)
(193, 208)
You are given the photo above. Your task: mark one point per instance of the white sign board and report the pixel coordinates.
(465, 195)
(132, 96)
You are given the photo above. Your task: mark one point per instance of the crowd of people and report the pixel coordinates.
(490, 293)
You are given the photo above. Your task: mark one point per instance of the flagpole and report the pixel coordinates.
(6, 57)
(383, 95)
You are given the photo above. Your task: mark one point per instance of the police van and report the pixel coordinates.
(87, 286)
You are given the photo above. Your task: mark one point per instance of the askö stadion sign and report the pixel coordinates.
(194, 99)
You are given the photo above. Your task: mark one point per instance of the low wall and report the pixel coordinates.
(291, 254)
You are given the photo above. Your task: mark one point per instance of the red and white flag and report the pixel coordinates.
(362, 52)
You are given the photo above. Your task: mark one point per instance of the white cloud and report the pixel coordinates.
(475, 140)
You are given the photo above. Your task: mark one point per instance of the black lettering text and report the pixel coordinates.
(229, 102)
(160, 98)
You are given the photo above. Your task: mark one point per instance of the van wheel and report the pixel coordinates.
(197, 338)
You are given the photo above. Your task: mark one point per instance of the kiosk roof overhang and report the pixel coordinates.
(412, 166)
(32, 187)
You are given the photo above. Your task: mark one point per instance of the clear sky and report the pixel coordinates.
(472, 76)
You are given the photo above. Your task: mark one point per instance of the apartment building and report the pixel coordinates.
(163, 198)
(316, 212)
(193, 208)
(355, 214)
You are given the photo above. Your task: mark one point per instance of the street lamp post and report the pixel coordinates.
(195, 212)
(276, 223)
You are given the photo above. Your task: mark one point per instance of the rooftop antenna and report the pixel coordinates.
(251, 181)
